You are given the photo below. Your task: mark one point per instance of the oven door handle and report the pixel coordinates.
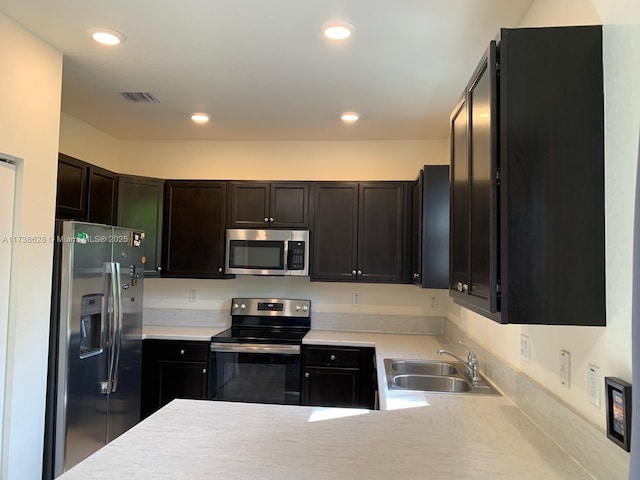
(254, 348)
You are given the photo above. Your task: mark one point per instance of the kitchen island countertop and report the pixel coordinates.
(434, 436)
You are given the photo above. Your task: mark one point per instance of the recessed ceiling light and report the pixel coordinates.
(350, 117)
(337, 30)
(106, 36)
(200, 118)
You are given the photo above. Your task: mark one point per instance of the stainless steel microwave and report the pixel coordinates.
(267, 252)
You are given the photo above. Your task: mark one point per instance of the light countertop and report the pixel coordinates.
(434, 436)
(453, 437)
(194, 334)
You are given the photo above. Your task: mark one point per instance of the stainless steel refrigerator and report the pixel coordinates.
(96, 341)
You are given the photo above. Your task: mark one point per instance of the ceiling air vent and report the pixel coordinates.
(140, 97)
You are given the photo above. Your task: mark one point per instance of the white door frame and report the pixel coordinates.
(7, 204)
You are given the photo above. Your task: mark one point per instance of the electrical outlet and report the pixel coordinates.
(593, 384)
(193, 295)
(524, 348)
(433, 303)
(565, 368)
(355, 299)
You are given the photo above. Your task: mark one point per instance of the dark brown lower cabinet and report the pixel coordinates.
(173, 369)
(339, 376)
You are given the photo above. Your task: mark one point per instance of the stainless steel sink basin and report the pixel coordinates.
(428, 383)
(422, 367)
(433, 377)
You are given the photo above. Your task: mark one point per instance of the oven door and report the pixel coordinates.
(255, 373)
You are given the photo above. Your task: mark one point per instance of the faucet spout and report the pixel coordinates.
(442, 351)
(473, 369)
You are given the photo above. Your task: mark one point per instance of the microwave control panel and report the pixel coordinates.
(296, 255)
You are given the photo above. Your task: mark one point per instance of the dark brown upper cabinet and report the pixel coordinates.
(269, 205)
(85, 192)
(73, 185)
(194, 229)
(140, 202)
(527, 190)
(103, 187)
(430, 228)
(361, 232)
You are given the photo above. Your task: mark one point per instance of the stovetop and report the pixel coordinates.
(267, 321)
(292, 336)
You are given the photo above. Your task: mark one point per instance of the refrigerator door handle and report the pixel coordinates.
(112, 325)
(118, 320)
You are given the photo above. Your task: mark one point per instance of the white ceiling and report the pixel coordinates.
(262, 69)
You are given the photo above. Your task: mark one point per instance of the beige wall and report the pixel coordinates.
(610, 347)
(283, 160)
(30, 88)
(82, 141)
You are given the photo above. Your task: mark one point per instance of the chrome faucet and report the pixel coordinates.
(473, 369)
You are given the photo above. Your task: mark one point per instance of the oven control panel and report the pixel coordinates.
(271, 307)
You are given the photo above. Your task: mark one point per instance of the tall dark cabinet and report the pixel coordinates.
(527, 192)
(194, 229)
(140, 202)
(361, 232)
(430, 228)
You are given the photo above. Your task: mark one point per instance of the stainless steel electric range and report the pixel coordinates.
(258, 358)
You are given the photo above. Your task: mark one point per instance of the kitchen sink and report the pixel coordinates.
(429, 383)
(433, 377)
(422, 367)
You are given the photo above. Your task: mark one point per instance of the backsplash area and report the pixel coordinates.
(170, 317)
(381, 308)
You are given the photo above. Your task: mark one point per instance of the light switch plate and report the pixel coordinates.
(524, 348)
(355, 299)
(593, 384)
(565, 368)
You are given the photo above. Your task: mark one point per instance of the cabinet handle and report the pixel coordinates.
(459, 286)
(465, 287)
(359, 272)
(306, 375)
(353, 272)
(271, 219)
(159, 269)
(220, 269)
(204, 370)
(266, 219)
(182, 351)
(332, 357)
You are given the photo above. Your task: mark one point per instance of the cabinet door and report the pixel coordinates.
(483, 191)
(102, 196)
(381, 232)
(71, 197)
(416, 229)
(193, 230)
(181, 380)
(140, 207)
(430, 235)
(327, 387)
(334, 233)
(459, 238)
(172, 369)
(248, 205)
(289, 206)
